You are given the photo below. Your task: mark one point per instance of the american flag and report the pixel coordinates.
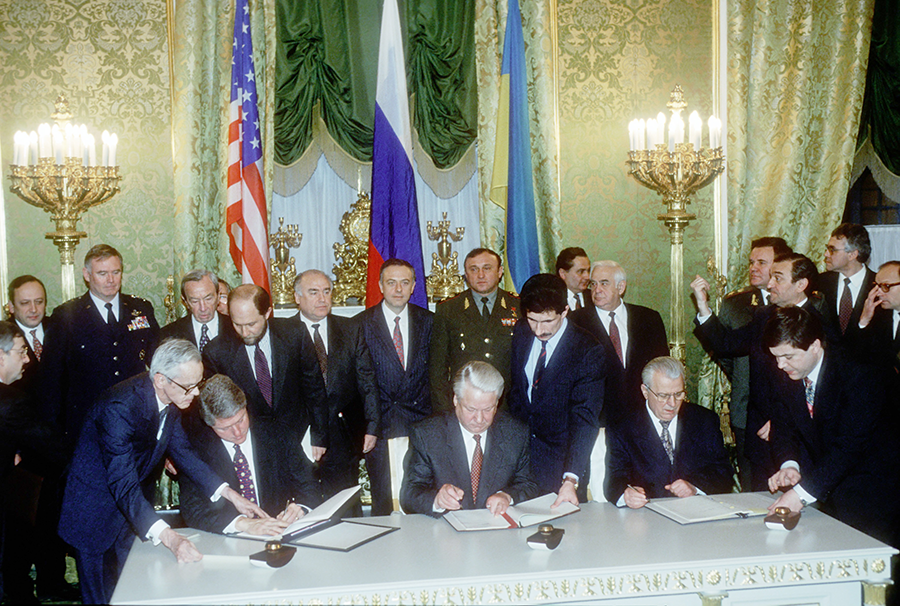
(245, 215)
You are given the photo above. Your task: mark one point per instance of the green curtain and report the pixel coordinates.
(796, 76)
(441, 75)
(327, 56)
(881, 109)
(201, 83)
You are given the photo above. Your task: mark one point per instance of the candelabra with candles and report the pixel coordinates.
(444, 280)
(676, 170)
(282, 267)
(56, 169)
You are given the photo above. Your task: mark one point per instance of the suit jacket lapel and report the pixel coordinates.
(242, 369)
(494, 456)
(458, 457)
(279, 356)
(650, 442)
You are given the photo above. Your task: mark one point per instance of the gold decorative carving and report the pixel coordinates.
(281, 267)
(353, 254)
(676, 173)
(169, 300)
(712, 600)
(874, 594)
(444, 281)
(63, 180)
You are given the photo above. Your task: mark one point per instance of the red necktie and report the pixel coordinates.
(398, 340)
(614, 337)
(36, 345)
(477, 460)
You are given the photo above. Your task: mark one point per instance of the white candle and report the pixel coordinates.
(33, 147)
(104, 159)
(44, 140)
(642, 134)
(696, 127)
(714, 132)
(91, 150)
(651, 134)
(673, 134)
(113, 144)
(58, 144)
(17, 147)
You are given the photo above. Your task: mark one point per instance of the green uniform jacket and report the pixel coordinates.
(461, 334)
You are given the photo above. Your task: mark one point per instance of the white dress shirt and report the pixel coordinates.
(100, 304)
(265, 344)
(574, 297)
(856, 284)
(535, 353)
(803, 494)
(389, 317)
(621, 323)
(212, 327)
(27, 332)
(323, 329)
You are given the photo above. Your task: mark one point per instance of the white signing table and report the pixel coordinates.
(608, 556)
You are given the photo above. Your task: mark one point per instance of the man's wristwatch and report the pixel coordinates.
(572, 480)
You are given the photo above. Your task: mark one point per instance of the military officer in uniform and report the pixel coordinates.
(97, 340)
(477, 324)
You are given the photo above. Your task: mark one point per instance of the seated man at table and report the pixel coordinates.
(256, 457)
(471, 458)
(670, 448)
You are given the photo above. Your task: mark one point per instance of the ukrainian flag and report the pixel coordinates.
(511, 183)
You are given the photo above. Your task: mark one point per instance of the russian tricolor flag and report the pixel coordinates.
(395, 214)
(512, 187)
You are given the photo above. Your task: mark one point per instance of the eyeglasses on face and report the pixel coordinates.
(664, 397)
(198, 386)
(886, 286)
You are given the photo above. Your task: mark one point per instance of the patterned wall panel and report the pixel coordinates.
(618, 61)
(110, 58)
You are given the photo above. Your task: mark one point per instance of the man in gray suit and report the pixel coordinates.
(473, 458)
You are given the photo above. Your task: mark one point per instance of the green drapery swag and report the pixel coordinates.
(327, 55)
(881, 108)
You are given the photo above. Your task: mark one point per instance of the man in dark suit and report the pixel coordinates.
(23, 435)
(346, 366)
(791, 284)
(200, 295)
(476, 458)
(125, 436)
(738, 309)
(272, 361)
(830, 437)
(671, 448)
(631, 336)
(398, 335)
(557, 388)
(27, 305)
(847, 280)
(879, 335)
(574, 267)
(257, 457)
(476, 324)
(96, 340)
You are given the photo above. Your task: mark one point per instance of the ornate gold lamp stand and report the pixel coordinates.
(444, 280)
(282, 266)
(676, 169)
(57, 169)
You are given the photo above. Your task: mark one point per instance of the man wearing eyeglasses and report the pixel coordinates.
(126, 434)
(669, 448)
(846, 281)
(200, 295)
(879, 322)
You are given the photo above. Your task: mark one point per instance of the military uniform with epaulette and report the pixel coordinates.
(84, 355)
(461, 334)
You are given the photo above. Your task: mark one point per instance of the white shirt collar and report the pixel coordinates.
(212, 327)
(40, 332)
(100, 304)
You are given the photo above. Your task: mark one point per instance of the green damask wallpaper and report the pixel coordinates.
(620, 61)
(110, 58)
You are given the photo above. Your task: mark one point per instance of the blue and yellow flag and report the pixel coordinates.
(511, 183)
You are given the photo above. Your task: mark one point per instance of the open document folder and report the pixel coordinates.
(328, 512)
(520, 515)
(707, 508)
